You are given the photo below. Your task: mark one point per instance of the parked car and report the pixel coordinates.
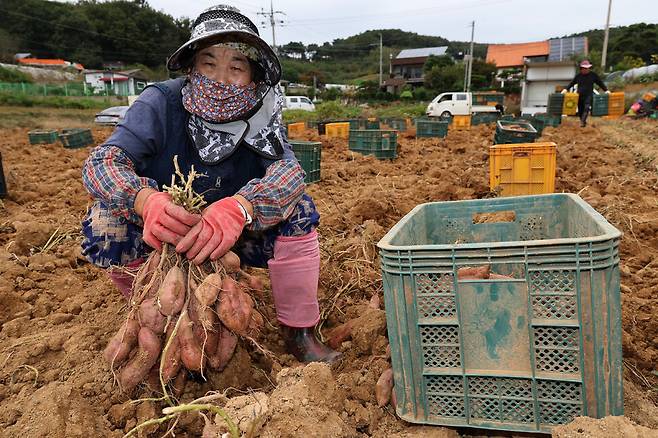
(111, 116)
(463, 104)
(298, 102)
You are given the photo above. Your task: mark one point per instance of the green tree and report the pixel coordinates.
(437, 61)
(629, 62)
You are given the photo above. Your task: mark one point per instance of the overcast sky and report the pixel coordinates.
(496, 21)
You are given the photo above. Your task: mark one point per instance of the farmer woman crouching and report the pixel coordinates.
(223, 118)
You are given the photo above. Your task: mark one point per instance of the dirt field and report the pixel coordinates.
(57, 312)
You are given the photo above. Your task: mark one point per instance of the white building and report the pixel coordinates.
(542, 79)
(120, 83)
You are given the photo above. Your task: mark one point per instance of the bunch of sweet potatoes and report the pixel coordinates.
(183, 316)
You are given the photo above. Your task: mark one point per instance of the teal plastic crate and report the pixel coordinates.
(431, 128)
(600, 105)
(484, 118)
(536, 123)
(555, 104)
(76, 138)
(526, 351)
(309, 155)
(382, 143)
(42, 136)
(549, 119)
(397, 124)
(514, 131)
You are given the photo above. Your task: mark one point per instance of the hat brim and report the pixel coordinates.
(269, 61)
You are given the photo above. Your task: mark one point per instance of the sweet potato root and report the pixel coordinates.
(122, 343)
(340, 334)
(226, 347)
(140, 364)
(171, 294)
(478, 273)
(384, 387)
(171, 360)
(494, 276)
(190, 348)
(206, 293)
(149, 316)
(231, 262)
(234, 307)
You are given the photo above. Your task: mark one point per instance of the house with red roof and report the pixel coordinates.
(49, 63)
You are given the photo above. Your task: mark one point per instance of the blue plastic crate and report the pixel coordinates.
(526, 351)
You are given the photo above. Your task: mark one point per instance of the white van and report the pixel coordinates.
(298, 102)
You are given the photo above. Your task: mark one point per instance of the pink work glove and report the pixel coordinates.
(165, 221)
(220, 227)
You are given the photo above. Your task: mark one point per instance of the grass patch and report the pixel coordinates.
(13, 99)
(335, 110)
(13, 75)
(45, 118)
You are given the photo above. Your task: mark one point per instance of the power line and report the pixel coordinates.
(273, 21)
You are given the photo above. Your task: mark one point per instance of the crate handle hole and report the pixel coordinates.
(521, 154)
(494, 217)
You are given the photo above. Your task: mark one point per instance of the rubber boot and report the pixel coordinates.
(294, 274)
(305, 346)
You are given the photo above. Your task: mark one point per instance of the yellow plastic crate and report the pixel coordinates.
(616, 103)
(461, 122)
(522, 168)
(338, 129)
(570, 105)
(296, 129)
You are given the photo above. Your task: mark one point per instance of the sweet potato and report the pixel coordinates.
(394, 398)
(122, 343)
(149, 316)
(171, 358)
(226, 347)
(479, 273)
(375, 302)
(234, 307)
(141, 363)
(146, 271)
(252, 282)
(204, 318)
(384, 387)
(340, 334)
(231, 262)
(171, 294)
(494, 276)
(190, 348)
(206, 293)
(256, 324)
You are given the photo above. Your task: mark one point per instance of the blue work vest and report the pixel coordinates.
(222, 179)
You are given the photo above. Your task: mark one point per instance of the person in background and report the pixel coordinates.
(224, 119)
(585, 81)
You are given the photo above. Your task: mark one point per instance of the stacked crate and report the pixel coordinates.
(514, 131)
(381, 143)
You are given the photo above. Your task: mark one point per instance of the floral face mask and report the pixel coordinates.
(218, 102)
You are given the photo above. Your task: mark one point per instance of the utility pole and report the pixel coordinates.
(605, 38)
(470, 59)
(272, 21)
(381, 48)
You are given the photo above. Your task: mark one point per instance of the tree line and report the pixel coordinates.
(90, 32)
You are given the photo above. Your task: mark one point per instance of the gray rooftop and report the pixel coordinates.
(422, 52)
